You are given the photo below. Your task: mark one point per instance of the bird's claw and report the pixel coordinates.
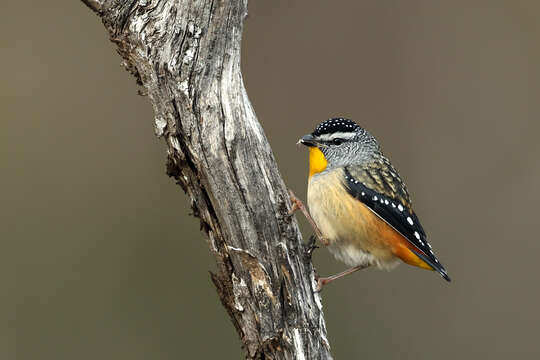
(318, 289)
(296, 203)
(320, 283)
(299, 205)
(311, 246)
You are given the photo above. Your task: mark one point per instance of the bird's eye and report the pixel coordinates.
(337, 141)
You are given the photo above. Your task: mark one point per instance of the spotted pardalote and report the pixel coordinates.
(359, 203)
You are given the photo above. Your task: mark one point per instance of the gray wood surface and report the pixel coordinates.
(186, 57)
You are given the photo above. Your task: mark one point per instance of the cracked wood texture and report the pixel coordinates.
(186, 56)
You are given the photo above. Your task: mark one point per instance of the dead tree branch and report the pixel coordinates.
(186, 55)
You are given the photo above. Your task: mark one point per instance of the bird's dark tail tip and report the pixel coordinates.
(435, 264)
(444, 275)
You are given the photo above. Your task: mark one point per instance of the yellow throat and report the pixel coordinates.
(317, 161)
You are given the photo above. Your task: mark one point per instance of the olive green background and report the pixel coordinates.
(101, 260)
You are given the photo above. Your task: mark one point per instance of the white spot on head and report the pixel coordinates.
(410, 220)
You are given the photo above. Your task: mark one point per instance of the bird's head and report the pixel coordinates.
(338, 142)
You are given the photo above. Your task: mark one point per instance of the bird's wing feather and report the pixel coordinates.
(380, 188)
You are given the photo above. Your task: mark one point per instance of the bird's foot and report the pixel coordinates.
(311, 246)
(325, 280)
(297, 204)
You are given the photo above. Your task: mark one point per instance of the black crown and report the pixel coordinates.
(335, 125)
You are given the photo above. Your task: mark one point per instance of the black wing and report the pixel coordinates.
(381, 189)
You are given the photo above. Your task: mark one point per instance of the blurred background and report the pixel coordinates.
(101, 260)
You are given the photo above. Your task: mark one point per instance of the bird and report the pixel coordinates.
(358, 204)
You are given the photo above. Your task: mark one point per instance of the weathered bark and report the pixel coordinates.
(186, 55)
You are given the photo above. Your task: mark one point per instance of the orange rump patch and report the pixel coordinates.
(402, 248)
(385, 236)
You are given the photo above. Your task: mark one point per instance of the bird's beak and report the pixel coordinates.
(307, 140)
